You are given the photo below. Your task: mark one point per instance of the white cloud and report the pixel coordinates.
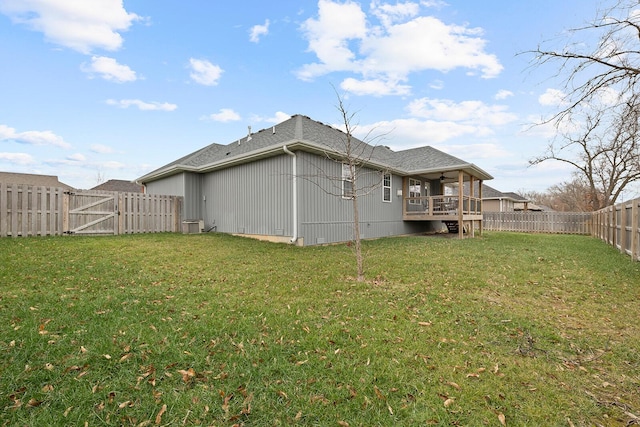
(109, 69)
(278, 117)
(32, 137)
(225, 115)
(204, 72)
(472, 112)
(437, 85)
(503, 94)
(413, 132)
(77, 24)
(475, 151)
(329, 35)
(552, 97)
(142, 105)
(101, 149)
(17, 158)
(374, 87)
(77, 157)
(258, 30)
(388, 13)
(112, 165)
(344, 40)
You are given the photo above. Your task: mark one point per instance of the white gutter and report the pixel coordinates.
(295, 192)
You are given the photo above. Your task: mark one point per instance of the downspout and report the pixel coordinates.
(294, 203)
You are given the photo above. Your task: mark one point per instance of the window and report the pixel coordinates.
(347, 182)
(386, 187)
(415, 190)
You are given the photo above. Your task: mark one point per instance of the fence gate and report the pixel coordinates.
(92, 213)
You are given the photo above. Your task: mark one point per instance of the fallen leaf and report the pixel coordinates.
(187, 374)
(343, 424)
(34, 403)
(378, 393)
(454, 385)
(160, 414)
(106, 356)
(448, 402)
(66, 412)
(47, 388)
(424, 323)
(125, 404)
(502, 419)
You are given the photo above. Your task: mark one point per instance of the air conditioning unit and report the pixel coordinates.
(192, 226)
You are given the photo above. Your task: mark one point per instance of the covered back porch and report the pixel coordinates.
(460, 210)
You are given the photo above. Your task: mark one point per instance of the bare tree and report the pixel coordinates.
(598, 119)
(356, 177)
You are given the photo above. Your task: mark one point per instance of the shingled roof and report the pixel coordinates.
(32, 179)
(301, 132)
(120, 185)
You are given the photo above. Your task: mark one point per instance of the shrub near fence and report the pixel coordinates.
(538, 222)
(619, 226)
(51, 211)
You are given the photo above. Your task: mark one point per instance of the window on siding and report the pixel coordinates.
(415, 190)
(386, 187)
(347, 182)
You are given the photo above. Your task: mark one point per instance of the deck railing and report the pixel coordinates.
(442, 206)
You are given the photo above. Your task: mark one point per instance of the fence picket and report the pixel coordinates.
(41, 211)
(538, 222)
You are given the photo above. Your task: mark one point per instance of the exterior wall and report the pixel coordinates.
(498, 205)
(326, 217)
(186, 184)
(253, 199)
(170, 186)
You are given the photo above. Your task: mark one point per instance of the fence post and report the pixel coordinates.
(634, 229)
(65, 212)
(120, 209)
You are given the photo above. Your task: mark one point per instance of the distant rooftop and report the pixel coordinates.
(120, 185)
(32, 180)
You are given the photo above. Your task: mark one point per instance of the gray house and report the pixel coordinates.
(287, 183)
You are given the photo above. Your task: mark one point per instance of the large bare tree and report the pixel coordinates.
(598, 118)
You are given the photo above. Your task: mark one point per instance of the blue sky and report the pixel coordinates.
(111, 89)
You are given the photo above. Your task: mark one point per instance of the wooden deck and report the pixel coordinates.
(442, 208)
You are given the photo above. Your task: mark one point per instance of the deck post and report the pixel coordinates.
(460, 204)
(480, 229)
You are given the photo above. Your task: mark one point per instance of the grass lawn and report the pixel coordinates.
(162, 330)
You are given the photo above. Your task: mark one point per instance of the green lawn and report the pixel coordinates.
(212, 330)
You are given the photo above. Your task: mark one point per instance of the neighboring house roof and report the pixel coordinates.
(301, 132)
(490, 193)
(32, 179)
(517, 197)
(120, 185)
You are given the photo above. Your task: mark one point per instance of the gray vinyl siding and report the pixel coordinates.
(254, 198)
(186, 184)
(326, 217)
(170, 186)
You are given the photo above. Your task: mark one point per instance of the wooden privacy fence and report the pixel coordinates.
(51, 211)
(538, 222)
(619, 226)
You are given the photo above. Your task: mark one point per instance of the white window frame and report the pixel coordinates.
(347, 193)
(386, 187)
(413, 183)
